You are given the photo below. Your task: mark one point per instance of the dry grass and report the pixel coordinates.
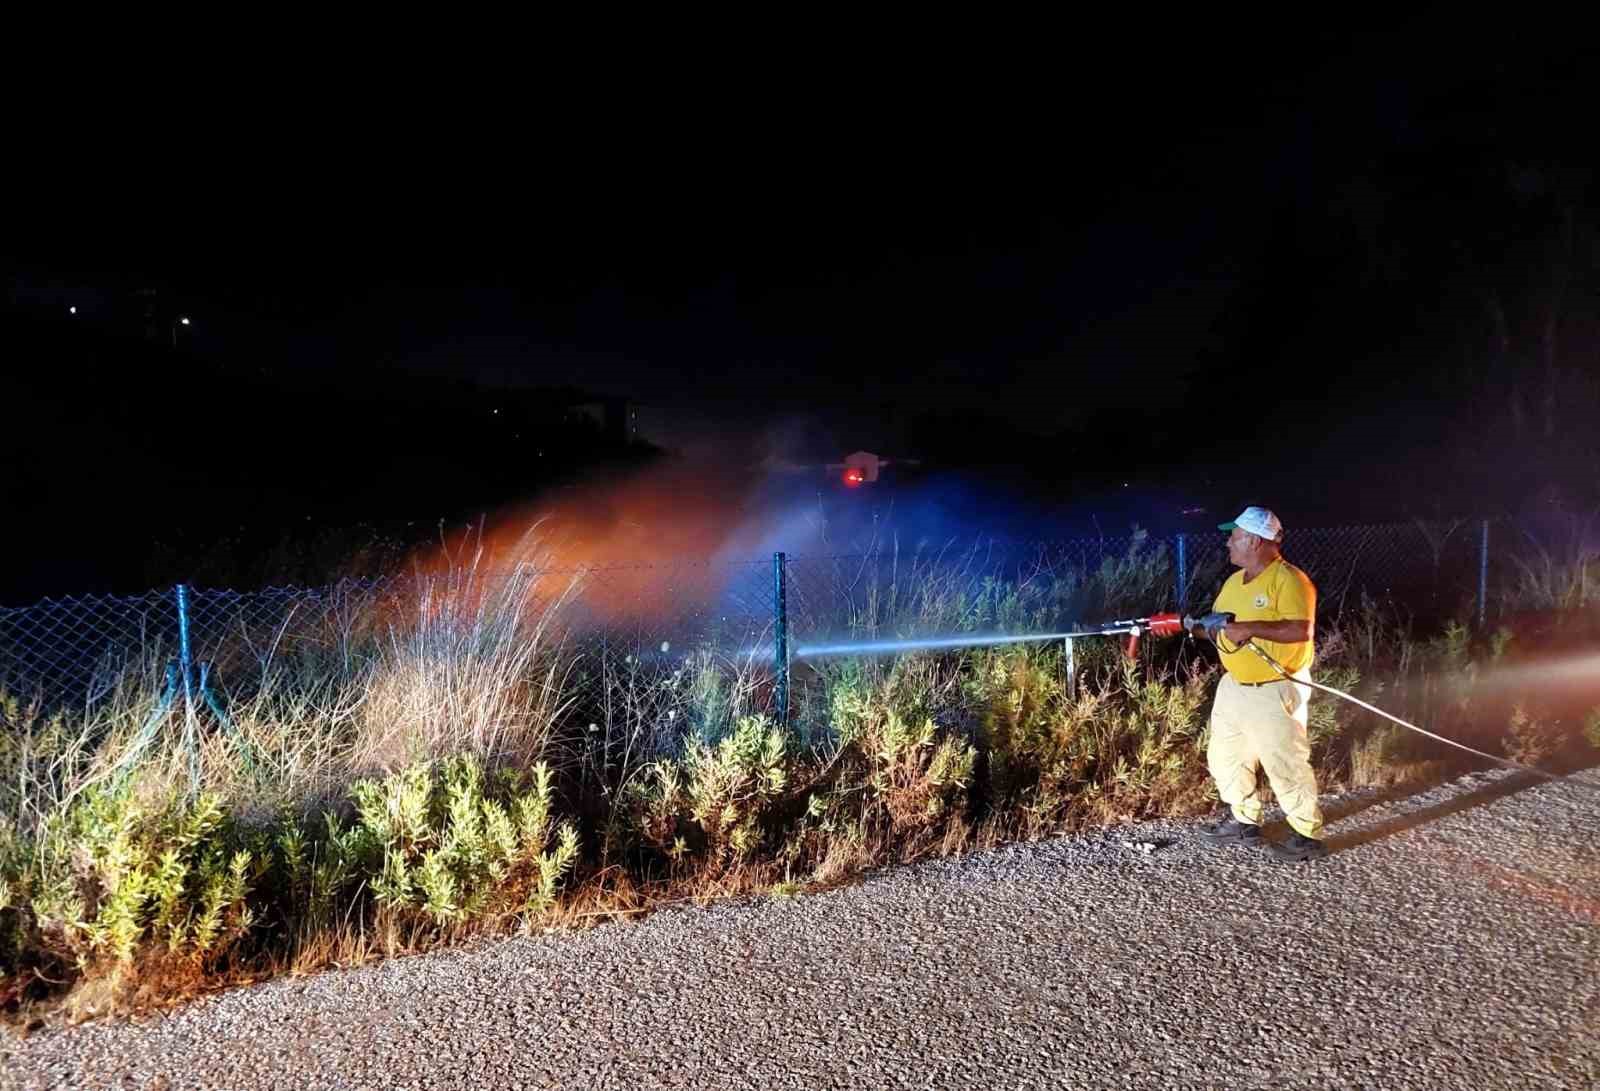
(461, 763)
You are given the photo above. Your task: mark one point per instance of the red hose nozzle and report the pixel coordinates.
(1155, 625)
(1164, 624)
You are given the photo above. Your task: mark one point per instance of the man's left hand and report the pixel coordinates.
(1236, 633)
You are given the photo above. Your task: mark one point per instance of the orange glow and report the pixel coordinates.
(653, 544)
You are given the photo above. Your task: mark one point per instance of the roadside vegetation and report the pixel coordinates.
(463, 759)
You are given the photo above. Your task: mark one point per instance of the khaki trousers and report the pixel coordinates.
(1264, 727)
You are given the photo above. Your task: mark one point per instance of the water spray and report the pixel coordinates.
(1169, 624)
(1132, 628)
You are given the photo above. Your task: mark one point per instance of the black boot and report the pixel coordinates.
(1297, 847)
(1230, 830)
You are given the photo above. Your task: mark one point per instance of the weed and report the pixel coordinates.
(1530, 740)
(465, 760)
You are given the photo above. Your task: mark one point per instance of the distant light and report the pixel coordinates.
(853, 477)
(184, 321)
(496, 412)
(72, 310)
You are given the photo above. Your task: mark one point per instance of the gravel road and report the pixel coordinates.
(1451, 940)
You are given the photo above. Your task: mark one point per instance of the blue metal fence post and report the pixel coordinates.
(1181, 588)
(1483, 573)
(185, 663)
(190, 727)
(780, 644)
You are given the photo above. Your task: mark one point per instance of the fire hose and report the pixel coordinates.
(1213, 625)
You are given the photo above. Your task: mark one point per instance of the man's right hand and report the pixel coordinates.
(1207, 625)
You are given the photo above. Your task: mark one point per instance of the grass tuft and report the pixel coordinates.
(469, 759)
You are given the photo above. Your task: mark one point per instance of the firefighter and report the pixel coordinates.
(1258, 721)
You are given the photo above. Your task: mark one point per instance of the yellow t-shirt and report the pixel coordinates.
(1280, 593)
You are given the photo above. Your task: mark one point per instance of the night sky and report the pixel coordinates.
(1199, 254)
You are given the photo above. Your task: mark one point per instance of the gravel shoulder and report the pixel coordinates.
(1452, 939)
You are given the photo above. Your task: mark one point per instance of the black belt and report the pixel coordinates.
(1268, 682)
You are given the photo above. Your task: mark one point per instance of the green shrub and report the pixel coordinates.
(121, 876)
(1529, 739)
(446, 851)
(115, 874)
(1327, 716)
(1126, 744)
(709, 809)
(406, 764)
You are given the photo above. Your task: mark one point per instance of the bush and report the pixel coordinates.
(1127, 745)
(416, 770)
(910, 773)
(152, 892)
(1530, 740)
(443, 850)
(118, 877)
(710, 810)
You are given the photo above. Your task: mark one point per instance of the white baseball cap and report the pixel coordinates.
(1258, 521)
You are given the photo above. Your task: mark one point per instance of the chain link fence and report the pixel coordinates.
(78, 650)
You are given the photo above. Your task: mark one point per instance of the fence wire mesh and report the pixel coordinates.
(665, 617)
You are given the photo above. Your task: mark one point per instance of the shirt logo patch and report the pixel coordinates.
(1261, 602)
